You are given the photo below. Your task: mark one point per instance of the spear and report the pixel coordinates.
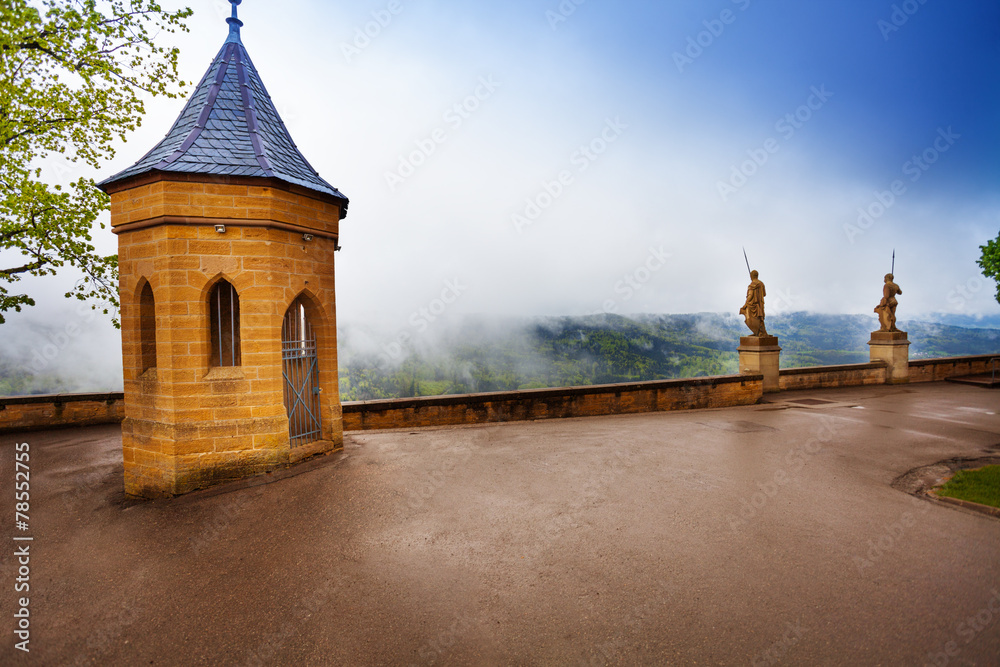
(893, 272)
(751, 272)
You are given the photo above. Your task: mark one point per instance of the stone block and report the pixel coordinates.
(761, 355)
(892, 348)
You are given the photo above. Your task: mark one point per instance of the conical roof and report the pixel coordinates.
(231, 128)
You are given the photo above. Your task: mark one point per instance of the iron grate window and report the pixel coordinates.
(300, 367)
(224, 316)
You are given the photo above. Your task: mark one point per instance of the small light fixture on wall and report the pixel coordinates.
(307, 237)
(221, 229)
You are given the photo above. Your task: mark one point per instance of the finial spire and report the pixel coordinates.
(234, 23)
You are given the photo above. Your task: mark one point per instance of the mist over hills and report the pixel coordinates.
(488, 353)
(479, 354)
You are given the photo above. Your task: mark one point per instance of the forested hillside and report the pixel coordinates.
(480, 354)
(488, 354)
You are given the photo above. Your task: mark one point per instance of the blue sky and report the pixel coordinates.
(894, 86)
(641, 227)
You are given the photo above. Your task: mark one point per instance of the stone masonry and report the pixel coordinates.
(188, 425)
(226, 196)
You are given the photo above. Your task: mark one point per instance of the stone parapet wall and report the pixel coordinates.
(828, 377)
(28, 413)
(942, 368)
(33, 413)
(661, 395)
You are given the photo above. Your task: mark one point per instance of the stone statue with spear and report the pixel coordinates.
(886, 308)
(753, 310)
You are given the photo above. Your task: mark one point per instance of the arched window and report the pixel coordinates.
(147, 328)
(224, 316)
(300, 367)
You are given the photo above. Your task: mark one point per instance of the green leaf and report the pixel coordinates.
(989, 262)
(73, 77)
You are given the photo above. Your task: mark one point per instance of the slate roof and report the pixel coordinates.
(231, 128)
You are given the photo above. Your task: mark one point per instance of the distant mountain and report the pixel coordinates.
(17, 380)
(494, 354)
(477, 354)
(808, 339)
(967, 321)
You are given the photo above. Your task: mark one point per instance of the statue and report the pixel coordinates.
(886, 308)
(753, 310)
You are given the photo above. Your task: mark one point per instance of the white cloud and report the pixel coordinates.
(655, 186)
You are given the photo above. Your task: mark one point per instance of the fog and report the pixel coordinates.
(502, 164)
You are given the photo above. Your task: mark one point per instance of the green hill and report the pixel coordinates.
(490, 354)
(480, 354)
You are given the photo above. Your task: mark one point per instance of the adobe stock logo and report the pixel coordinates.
(562, 13)
(786, 126)
(714, 28)
(915, 168)
(967, 629)
(899, 17)
(455, 116)
(962, 294)
(420, 321)
(586, 155)
(363, 36)
(633, 281)
(46, 352)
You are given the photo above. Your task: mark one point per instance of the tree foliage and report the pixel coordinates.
(506, 355)
(73, 78)
(989, 262)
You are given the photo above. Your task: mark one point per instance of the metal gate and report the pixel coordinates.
(301, 370)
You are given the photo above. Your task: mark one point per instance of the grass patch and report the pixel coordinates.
(433, 388)
(979, 486)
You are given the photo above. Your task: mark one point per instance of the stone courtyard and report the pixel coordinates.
(749, 535)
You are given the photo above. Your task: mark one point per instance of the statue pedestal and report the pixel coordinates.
(761, 354)
(893, 348)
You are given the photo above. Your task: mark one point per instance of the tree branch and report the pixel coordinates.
(33, 266)
(35, 130)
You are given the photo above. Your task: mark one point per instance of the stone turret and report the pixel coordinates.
(226, 241)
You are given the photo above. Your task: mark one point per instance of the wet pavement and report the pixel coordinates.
(755, 535)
